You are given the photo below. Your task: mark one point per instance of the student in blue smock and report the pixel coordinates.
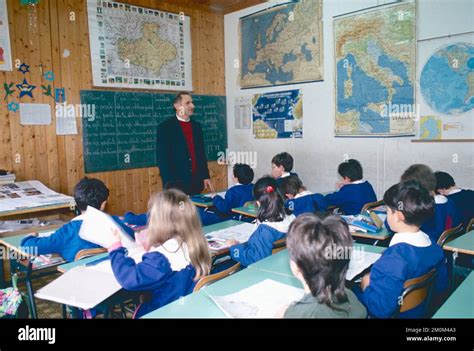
(446, 215)
(354, 192)
(282, 166)
(66, 240)
(299, 199)
(177, 254)
(236, 196)
(462, 198)
(411, 254)
(272, 224)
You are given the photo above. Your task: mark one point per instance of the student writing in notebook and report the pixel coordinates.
(446, 215)
(354, 192)
(313, 246)
(272, 224)
(411, 253)
(236, 196)
(462, 198)
(177, 252)
(299, 199)
(66, 240)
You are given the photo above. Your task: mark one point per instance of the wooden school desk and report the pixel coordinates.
(279, 263)
(200, 305)
(23, 264)
(461, 302)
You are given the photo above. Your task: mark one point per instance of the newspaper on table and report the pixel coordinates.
(30, 194)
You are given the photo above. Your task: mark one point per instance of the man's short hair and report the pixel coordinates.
(179, 97)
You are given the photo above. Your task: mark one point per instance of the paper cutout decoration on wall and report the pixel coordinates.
(24, 68)
(25, 88)
(8, 90)
(59, 95)
(47, 90)
(49, 75)
(13, 106)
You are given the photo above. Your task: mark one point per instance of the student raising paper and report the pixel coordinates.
(177, 252)
(66, 240)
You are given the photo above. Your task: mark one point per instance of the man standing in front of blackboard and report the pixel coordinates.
(180, 150)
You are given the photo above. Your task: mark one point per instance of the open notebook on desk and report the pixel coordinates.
(265, 299)
(242, 232)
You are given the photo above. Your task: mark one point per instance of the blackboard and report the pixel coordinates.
(121, 131)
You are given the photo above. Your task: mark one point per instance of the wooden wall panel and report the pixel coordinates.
(58, 160)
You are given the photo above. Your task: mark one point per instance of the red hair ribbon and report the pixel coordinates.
(269, 189)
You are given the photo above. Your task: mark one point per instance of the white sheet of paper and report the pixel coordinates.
(66, 126)
(261, 300)
(241, 233)
(360, 260)
(97, 227)
(35, 114)
(83, 287)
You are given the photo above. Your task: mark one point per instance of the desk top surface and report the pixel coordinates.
(463, 244)
(461, 303)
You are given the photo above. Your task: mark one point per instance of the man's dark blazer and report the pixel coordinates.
(173, 157)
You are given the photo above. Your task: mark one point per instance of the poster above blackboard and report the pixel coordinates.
(122, 132)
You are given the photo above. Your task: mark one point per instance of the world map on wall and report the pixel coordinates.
(375, 72)
(282, 45)
(447, 79)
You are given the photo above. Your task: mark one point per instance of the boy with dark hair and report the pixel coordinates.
(446, 215)
(299, 199)
(462, 198)
(236, 196)
(66, 240)
(354, 192)
(411, 253)
(311, 243)
(282, 165)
